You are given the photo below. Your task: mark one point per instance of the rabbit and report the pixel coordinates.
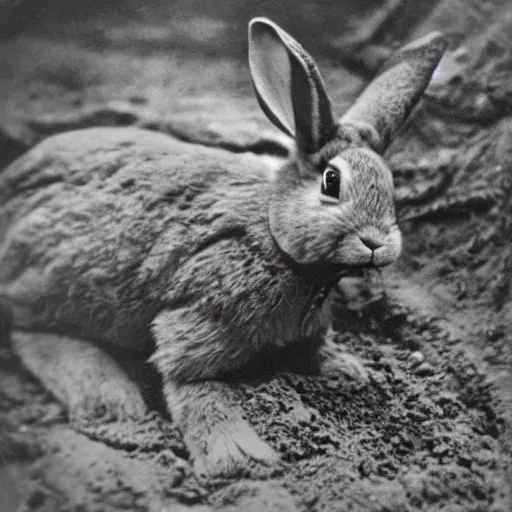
(207, 262)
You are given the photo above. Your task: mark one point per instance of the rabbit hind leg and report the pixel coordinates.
(85, 379)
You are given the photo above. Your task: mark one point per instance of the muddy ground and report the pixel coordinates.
(430, 435)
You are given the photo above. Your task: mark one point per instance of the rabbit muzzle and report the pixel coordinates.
(377, 248)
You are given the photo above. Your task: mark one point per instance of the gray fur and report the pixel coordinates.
(389, 99)
(206, 259)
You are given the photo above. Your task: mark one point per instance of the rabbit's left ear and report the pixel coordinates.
(288, 85)
(386, 103)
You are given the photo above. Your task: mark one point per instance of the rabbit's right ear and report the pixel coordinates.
(386, 103)
(288, 85)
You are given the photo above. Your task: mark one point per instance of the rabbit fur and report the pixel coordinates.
(121, 237)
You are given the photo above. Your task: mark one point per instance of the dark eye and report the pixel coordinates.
(330, 189)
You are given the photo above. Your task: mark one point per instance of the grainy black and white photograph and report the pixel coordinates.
(255, 256)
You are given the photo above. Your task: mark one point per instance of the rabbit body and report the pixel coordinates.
(208, 260)
(129, 238)
(105, 228)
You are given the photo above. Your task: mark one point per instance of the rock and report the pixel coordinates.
(490, 354)
(361, 294)
(299, 414)
(425, 370)
(416, 358)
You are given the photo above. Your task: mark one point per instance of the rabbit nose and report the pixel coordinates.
(371, 243)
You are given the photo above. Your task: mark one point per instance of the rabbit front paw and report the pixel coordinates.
(345, 364)
(228, 450)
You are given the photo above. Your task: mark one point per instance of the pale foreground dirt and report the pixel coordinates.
(433, 436)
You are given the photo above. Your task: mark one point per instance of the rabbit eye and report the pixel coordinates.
(330, 189)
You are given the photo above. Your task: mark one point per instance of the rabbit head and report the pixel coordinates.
(332, 203)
